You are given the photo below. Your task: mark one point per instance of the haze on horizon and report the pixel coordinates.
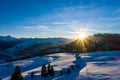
(58, 18)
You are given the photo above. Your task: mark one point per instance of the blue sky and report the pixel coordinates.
(58, 18)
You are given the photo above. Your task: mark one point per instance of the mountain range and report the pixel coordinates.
(11, 47)
(21, 48)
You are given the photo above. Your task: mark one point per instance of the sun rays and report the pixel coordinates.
(82, 40)
(83, 33)
(82, 36)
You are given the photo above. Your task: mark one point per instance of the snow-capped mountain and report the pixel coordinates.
(31, 47)
(7, 38)
(10, 46)
(31, 41)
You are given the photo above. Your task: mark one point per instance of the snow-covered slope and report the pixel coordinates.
(100, 66)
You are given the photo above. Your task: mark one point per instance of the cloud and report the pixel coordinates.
(36, 27)
(59, 23)
(89, 31)
(66, 23)
(73, 8)
(110, 19)
(28, 27)
(42, 27)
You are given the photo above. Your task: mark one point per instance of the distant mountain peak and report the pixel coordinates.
(7, 38)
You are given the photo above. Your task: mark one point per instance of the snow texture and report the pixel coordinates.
(91, 66)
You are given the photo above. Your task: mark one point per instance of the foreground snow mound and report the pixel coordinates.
(102, 66)
(91, 66)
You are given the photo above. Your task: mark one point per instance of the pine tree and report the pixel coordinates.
(32, 75)
(49, 67)
(17, 74)
(72, 66)
(43, 71)
(51, 71)
(68, 71)
(77, 65)
(61, 73)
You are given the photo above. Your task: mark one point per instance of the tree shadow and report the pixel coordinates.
(95, 76)
(78, 65)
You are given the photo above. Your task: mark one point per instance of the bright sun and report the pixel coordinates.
(82, 35)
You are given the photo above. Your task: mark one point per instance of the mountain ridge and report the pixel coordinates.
(31, 47)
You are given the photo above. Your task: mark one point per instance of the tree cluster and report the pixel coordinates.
(47, 70)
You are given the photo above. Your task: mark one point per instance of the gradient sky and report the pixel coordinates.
(58, 18)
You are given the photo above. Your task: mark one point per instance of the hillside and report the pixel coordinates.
(96, 42)
(100, 65)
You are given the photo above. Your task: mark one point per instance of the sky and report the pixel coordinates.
(58, 18)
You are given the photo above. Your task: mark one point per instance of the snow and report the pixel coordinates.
(100, 66)
(103, 66)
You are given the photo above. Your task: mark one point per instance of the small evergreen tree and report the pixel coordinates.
(17, 74)
(49, 67)
(32, 75)
(43, 71)
(77, 65)
(61, 73)
(68, 71)
(72, 66)
(51, 71)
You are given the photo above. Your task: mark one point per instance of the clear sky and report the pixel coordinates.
(58, 18)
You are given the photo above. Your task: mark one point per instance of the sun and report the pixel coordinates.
(82, 33)
(82, 36)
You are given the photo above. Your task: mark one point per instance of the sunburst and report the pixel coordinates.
(82, 35)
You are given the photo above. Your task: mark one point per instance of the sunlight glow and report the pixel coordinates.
(82, 35)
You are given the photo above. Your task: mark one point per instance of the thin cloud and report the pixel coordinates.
(42, 27)
(36, 27)
(73, 8)
(59, 23)
(110, 19)
(28, 27)
(67, 23)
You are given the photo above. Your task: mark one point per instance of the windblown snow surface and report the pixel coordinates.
(93, 66)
